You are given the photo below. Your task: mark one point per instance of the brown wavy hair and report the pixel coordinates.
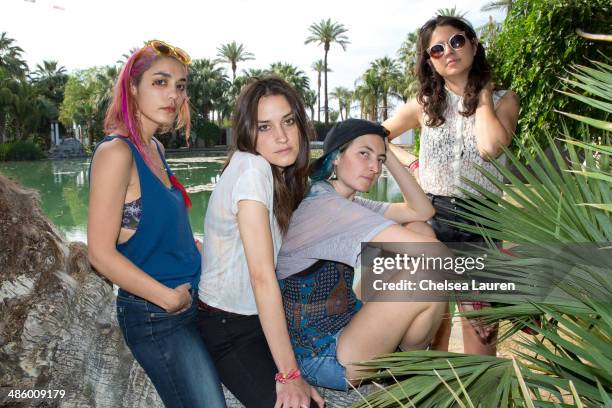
(431, 93)
(290, 185)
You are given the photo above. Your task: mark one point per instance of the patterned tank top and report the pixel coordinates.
(449, 152)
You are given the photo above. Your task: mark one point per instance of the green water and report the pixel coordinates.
(64, 189)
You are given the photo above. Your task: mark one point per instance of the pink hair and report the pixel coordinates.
(122, 112)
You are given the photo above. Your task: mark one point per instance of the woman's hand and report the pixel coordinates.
(296, 394)
(179, 300)
(198, 245)
(486, 95)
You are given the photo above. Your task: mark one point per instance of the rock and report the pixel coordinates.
(69, 148)
(58, 329)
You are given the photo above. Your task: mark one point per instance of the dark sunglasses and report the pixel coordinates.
(167, 50)
(456, 42)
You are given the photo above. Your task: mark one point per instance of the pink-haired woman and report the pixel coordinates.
(138, 229)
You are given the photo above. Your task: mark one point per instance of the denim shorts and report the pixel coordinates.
(324, 369)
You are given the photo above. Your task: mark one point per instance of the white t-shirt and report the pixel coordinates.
(225, 281)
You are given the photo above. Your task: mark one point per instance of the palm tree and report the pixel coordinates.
(367, 91)
(126, 56)
(326, 33)
(255, 72)
(293, 75)
(49, 69)
(389, 73)
(241, 80)
(233, 53)
(407, 85)
(498, 4)
(451, 12)
(207, 84)
(407, 52)
(106, 79)
(26, 107)
(319, 67)
(310, 100)
(10, 57)
(344, 96)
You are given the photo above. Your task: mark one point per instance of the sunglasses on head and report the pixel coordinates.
(456, 42)
(167, 50)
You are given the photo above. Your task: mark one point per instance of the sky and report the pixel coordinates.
(84, 33)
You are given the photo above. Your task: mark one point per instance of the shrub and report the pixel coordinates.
(208, 131)
(20, 151)
(321, 129)
(4, 148)
(537, 44)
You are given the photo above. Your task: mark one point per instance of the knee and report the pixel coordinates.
(421, 227)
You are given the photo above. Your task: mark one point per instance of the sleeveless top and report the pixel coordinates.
(163, 245)
(449, 152)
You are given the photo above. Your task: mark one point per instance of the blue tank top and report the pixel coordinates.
(163, 245)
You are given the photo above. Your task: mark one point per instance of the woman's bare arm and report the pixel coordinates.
(416, 205)
(254, 226)
(494, 126)
(407, 117)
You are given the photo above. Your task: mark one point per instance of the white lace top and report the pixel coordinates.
(449, 152)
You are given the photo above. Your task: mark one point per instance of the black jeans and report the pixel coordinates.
(241, 355)
(449, 233)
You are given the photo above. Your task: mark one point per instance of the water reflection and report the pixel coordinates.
(64, 189)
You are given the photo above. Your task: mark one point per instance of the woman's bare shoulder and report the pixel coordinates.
(114, 154)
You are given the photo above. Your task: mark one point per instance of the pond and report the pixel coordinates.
(64, 188)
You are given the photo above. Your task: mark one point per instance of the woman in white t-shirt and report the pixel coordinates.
(241, 314)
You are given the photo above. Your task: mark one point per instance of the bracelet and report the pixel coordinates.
(285, 378)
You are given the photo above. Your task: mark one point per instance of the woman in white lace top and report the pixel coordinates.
(464, 122)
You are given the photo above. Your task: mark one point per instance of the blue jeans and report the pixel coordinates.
(324, 369)
(171, 351)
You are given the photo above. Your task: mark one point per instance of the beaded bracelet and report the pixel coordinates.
(284, 379)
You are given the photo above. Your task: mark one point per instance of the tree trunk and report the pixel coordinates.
(319, 97)
(385, 106)
(374, 111)
(325, 73)
(206, 111)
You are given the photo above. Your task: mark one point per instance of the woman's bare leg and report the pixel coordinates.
(474, 344)
(442, 338)
(380, 327)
